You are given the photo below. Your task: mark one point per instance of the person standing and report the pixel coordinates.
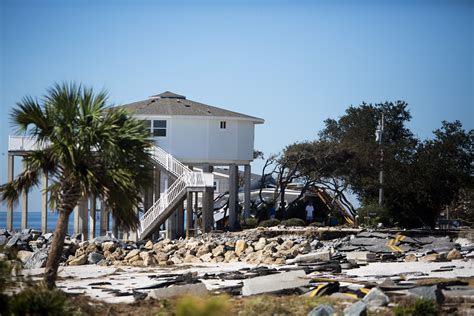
(309, 212)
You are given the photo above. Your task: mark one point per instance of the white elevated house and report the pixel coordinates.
(187, 134)
(196, 135)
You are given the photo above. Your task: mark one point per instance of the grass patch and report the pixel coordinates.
(203, 306)
(416, 307)
(281, 305)
(269, 223)
(249, 223)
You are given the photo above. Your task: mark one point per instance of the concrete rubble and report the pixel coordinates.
(362, 270)
(274, 282)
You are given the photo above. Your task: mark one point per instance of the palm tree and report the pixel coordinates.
(87, 149)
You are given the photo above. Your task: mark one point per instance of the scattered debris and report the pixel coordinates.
(360, 270)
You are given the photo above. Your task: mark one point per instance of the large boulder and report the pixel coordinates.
(78, 261)
(218, 251)
(204, 249)
(376, 298)
(23, 255)
(454, 254)
(133, 253)
(148, 258)
(161, 256)
(240, 247)
(322, 310)
(356, 309)
(262, 242)
(37, 260)
(206, 257)
(433, 293)
(95, 257)
(13, 240)
(3, 240)
(148, 245)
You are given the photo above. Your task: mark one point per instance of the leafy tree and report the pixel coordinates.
(440, 171)
(421, 178)
(353, 135)
(87, 148)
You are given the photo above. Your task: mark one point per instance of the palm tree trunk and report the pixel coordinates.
(57, 246)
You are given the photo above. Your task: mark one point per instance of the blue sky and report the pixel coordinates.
(293, 63)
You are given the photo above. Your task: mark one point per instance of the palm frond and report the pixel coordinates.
(24, 182)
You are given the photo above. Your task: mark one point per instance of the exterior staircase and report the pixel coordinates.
(186, 179)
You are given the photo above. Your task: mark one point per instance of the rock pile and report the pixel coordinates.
(31, 248)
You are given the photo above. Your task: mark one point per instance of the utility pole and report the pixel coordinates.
(378, 138)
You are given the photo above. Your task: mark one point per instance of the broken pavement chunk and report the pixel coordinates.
(361, 256)
(198, 289)
(357, 309)
(274, 282)
(429, 292)
(322, 310)
(311, 257)
(376, 298)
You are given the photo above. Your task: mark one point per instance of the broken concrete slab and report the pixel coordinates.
(95, 257)
(322, 310)
(357, 309)
(198, 289)
(373, 235)
(274, 282)
(361, 256)
(376, 298)
(433, 293)
(13, 240)
(311, 257)
(365, 241)
(37, 260)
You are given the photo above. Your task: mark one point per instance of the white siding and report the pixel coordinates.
(245, 140)
(223, 142)
(202, 140)
(188, 138)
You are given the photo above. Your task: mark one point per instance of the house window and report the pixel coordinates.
(216, 186)
(223, 124)
(159, 128)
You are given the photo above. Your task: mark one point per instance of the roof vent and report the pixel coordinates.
(168, 95)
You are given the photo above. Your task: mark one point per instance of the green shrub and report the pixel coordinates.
(203, 306)
(418, 307)
(36, 300)
(269, 223)
(379, 215)
(317, 224)
(293, 222)
(249, 223)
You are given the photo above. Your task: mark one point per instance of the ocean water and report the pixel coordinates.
(34, 221)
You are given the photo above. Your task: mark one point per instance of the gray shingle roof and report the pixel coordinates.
(169, 103)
